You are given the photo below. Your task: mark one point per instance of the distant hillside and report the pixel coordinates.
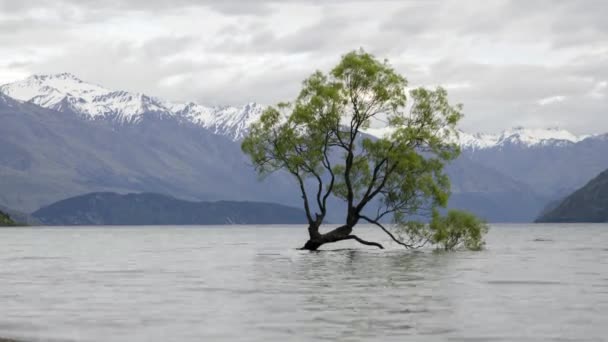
(20, 217)
(62, 137)
(588, 204)
(5, 220)
(491, 194)
(47, 156)
(106, 208)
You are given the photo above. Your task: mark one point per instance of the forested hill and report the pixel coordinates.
(108, 208)
(5, 220)
(587, 204)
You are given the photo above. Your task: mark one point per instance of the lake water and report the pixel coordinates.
(532, 283)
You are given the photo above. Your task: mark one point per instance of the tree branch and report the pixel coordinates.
(327, 165)
(355, 123)
(358, 239)
(304, 196)
(373, 180)
(386, 231)
(368, 198)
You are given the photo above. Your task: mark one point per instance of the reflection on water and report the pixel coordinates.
(533, 283)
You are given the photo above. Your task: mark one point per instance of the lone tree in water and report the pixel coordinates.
(320, 140)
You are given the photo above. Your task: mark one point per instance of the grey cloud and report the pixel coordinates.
(233, 7)
(329, 33)
(510, 54)
(582, 15)
(167, 45)
(512, 93)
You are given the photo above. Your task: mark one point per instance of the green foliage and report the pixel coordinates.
(458, 229)
(5, 220)
(320, 138)
(448, 232)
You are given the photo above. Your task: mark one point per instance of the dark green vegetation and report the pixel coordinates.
(319, 139)
(458, 228)
(587, 204)
(20, 217)
(6, 220)
(154, 209)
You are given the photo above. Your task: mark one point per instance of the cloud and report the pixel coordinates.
(551, 100)
(538, 63)
(599, 90)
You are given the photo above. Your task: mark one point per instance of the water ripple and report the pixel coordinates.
(252, 284)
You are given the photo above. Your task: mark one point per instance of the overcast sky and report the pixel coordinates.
(530, 63)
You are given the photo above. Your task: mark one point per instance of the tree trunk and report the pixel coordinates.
(317, 239)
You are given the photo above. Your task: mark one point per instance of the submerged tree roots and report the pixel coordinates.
(313, 245)
(339, 234)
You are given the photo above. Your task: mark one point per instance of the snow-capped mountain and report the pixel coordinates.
(520, 136)
(67, 93)
(228, 121)
(59, 138)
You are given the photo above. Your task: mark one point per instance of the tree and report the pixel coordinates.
(320, 140)
(5, 220)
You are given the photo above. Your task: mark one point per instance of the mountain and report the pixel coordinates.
(513, 175)
(47, 155)
(108, 208)
(524, 137)
(62, 137)
(520, 136)
(587, 204)
(491, 194)
(551, 162)
(67, 93)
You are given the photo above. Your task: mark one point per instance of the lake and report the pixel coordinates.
(245, 283)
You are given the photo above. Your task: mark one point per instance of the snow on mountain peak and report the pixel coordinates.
(537, 135)
(225, 120)
(519, 136)
(477, 140)
(66, 92)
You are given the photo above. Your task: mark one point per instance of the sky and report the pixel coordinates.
(536, 63)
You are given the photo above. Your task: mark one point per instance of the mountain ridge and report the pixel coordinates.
(109, 208)
(587, 204)
(49, 154)
(46, 155)
(67, 92)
